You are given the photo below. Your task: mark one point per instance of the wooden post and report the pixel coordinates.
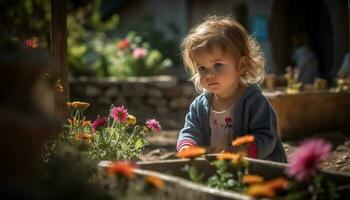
(348, 25)
(59, 53)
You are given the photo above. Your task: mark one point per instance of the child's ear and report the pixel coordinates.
(242, 64)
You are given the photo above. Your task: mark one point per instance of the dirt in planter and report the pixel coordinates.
(162, 146)
(339, 159)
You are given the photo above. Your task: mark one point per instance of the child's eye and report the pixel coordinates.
(201, 69)
(218, 65)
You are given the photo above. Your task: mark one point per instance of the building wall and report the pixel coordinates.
(262, 9)
(164, 12)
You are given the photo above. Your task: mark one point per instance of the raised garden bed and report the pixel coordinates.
(306, 113)
(179, 187)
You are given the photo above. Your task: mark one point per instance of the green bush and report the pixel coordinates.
(135, 57)
(94, 50)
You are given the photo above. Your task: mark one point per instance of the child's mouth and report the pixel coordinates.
(211, 84)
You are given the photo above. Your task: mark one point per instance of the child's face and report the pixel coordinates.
(218, 72)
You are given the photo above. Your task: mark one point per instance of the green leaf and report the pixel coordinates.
(138, 144)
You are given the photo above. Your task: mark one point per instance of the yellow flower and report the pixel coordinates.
(78, 105)
(131, 120)
(191, 152)
(243, 140)
(155, 181)
(252, 179)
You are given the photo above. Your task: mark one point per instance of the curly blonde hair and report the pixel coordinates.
(226, 33)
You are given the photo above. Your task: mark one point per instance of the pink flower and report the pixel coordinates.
(101, 121)
(119, 114)
(306, 158)
(153, 125)
(139, 53)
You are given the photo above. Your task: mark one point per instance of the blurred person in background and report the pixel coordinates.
(304, 59)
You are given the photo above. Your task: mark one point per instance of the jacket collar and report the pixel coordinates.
(250, 90)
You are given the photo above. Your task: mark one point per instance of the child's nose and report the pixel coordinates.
(211, 75)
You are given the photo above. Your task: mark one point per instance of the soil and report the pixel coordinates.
(162, 146)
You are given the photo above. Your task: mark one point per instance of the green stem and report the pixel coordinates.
(132, 135)
(103, 138)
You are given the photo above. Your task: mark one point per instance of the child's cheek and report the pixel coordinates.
(202, 81)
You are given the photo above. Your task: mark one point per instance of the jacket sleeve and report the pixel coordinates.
(263, 125)
(191, 134)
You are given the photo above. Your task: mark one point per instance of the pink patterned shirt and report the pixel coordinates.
(221, 129)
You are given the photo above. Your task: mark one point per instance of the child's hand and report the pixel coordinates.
(184, 147)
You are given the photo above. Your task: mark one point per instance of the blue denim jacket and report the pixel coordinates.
(252, 114)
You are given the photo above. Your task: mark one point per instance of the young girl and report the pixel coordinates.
(226, 64)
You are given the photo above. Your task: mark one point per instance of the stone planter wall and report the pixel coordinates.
(167, 99)
(161, 97)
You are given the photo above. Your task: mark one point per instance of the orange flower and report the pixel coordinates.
(78, 105)
(260, 190)
(227, 156)
(191, 152)
(267, 189)
(74, 121)
(123, 44)
(243, 140)
(86, 123)
(277, 184)
(155, 181)
(84, 136)
(236, 158)
(122, 168)
(59, 88)
(252, 179)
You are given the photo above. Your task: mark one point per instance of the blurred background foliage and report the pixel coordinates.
(92, 40)
(23, 19)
